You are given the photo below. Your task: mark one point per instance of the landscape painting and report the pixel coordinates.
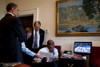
(78, 18)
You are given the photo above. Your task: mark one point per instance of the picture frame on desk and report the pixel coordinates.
(76, 18)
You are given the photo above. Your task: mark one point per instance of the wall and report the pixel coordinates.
(2, 8)
(47, 16)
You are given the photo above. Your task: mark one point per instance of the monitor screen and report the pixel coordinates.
(82, 47)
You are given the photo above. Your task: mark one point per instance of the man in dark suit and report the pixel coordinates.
(34, 43)
(11, 35)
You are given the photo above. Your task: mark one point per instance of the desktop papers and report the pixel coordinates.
(44, 54)
(48, 55)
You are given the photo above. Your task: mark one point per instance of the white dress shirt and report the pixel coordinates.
(26, 50)
(11, 13)
(46, 50)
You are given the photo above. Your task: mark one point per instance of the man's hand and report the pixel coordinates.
(37, 55)
(51, 50)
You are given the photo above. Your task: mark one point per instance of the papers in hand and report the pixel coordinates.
(44, 54)
(49, 56)
(37, 60)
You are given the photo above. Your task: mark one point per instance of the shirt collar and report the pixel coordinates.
(35, 31)
(11, 13)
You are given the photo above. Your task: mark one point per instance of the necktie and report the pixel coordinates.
(35, 40)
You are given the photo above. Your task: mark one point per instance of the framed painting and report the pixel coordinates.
(78, 18)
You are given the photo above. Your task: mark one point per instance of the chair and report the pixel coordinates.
(95, 57)
(58, 47)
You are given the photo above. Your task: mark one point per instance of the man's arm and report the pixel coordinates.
(55, 53)
(26, 50)
(19, 30)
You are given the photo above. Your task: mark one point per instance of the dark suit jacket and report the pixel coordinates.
(11, 35)
(41, 37)
(29, 42)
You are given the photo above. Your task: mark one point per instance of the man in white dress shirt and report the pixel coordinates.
(49, 49)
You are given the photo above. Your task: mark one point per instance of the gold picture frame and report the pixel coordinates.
(72, 21)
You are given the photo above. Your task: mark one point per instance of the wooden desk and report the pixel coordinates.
(62, 62)
(43, 64)
(71, 62)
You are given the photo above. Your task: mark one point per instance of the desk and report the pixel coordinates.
(62, 62)
(43, 64)
(71, 62)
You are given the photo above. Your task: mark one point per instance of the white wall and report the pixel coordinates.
(47, 16)
(2, 8)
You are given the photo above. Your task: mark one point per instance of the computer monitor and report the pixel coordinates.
(82, 48)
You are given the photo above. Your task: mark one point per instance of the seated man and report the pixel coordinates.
(49, 49)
